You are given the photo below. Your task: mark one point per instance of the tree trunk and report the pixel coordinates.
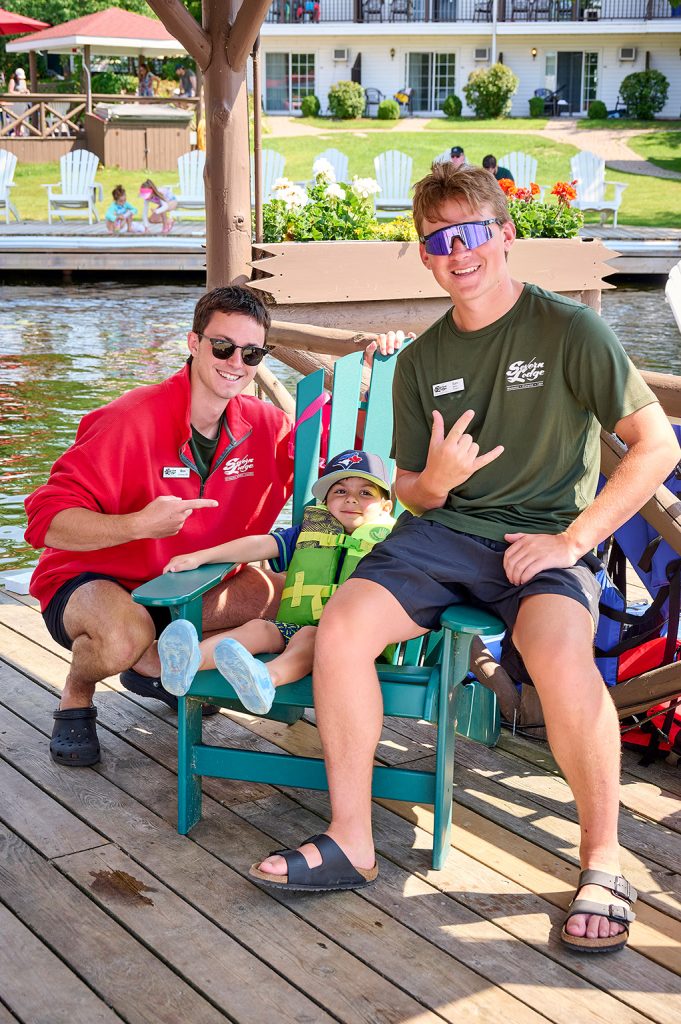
(227, 174)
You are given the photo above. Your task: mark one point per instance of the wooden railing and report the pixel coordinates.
(62, 115)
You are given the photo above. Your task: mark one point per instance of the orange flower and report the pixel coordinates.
(507, 186)
(565, 192)
(523, 194)
(534, 188)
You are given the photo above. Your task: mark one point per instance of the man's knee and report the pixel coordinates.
(119, 630)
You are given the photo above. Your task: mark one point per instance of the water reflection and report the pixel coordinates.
(66, 350)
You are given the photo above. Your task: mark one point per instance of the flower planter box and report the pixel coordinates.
(376, 286)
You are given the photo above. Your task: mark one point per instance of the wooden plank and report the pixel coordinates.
(316, 964)
(111, 962)
(233, 979)
(37, 987)
(29, 812)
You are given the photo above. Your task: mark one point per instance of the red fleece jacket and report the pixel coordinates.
(120, 460)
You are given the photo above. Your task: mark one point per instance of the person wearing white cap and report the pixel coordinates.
(17, 84)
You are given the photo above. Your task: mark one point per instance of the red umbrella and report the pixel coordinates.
(16, 24)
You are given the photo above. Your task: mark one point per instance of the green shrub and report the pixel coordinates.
(310, 106)
(489, 91)
(346, 100)
(536, 106)
(388, 110)
(597, 110)
(110, 83)
(452, 107)
(645, 93)
(324, 211)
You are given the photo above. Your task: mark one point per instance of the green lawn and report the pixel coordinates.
(662, 148)
(497, 124)
(647, 201)
(331, 124)
(625, 124)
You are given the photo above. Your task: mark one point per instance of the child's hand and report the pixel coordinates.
(180, 563)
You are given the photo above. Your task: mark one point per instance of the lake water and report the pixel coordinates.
(66, 350)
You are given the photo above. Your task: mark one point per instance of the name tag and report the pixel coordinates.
(448, 387)
(170, 472)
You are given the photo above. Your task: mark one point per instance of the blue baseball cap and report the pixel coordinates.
(352, 463)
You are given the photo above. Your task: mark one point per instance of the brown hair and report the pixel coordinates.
(118, 192)
(148, 183)
(470, 185)
(232, 299)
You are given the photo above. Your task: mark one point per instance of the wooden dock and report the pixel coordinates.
(77, 246)
(106, 914)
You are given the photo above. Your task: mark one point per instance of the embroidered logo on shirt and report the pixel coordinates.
(236, 469)
(448, 387)
(524, 375)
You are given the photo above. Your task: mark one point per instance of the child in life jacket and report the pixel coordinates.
(318, 555)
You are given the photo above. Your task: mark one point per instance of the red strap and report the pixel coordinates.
(315, 405)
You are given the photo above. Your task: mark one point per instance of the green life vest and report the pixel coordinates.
(318, 568)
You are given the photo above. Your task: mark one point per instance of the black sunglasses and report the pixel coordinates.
(222, 349)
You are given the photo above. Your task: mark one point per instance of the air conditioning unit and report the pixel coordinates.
(481, 53)
(341, 55)
(627, 53)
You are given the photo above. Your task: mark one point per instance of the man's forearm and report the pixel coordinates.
(416, 492)
(81, 529)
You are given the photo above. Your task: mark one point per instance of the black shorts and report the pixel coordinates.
(54, 613)
(427, 567)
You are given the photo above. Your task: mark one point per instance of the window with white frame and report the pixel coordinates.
(288, 77)
(590, 79)
(550, 71)
(432, 77)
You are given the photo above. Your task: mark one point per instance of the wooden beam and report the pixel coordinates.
(667, 390)
(326, 340)
(185, 29)
(245, 31)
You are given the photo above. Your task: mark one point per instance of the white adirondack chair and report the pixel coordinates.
(523, 167)
(78, 187)
(393, 174)
(273, 164)
(189, 191)
(672, 292)
(589, 172)
(338, 161)
(8, 163)
(443, 158)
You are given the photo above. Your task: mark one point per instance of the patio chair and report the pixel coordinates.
(424, 681)
(393, 174)
(482, 10)
(521, 10)
(190, 191)
(338, 161)
(273, 164)
(8, 163)
(372, 9)
(372, 97)
(78, 187)
(589, 172)
(523, 167)
(401, 9)
(550, 98)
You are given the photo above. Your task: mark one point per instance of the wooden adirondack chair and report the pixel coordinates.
(424, 682)
(393, 174)
(589, 172)
(189, 191)
(338, 161)
(273, 164)
(8, 163)
(78, 187)
(523, 167)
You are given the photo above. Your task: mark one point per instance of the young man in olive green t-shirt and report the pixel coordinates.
(497, 410)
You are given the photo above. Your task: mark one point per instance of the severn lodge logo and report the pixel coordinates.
(237, 469)
(522, 375)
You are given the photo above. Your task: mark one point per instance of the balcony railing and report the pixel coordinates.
(367, 11)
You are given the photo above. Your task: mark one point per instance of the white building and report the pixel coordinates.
(581, 49)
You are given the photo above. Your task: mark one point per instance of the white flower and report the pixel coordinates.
(365, 187)
(335, 191)
(322, 168)
(294, 196)
(281, 183)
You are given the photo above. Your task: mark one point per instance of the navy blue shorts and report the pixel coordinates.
(427, 567)
(54, 613)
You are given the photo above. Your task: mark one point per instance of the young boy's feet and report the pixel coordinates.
(247, 676)
(178, 651)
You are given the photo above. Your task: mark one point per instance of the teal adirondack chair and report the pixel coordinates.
(425, 681)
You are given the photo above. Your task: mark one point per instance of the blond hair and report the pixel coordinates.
(470, 185)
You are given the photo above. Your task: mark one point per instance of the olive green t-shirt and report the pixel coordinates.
(541, 380)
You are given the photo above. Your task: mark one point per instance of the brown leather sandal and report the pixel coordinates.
(618, 886)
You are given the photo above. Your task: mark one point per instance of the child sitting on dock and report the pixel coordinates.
(164, 201)
(318, 556)
(120, 213)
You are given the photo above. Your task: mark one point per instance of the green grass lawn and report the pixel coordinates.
(626, 124)
(334, 125)
(647, 201)
(662, 149)
(497, 124)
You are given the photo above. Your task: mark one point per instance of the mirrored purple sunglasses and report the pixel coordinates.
(472, 234)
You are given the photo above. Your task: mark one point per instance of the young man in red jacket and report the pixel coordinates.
(162, 470)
